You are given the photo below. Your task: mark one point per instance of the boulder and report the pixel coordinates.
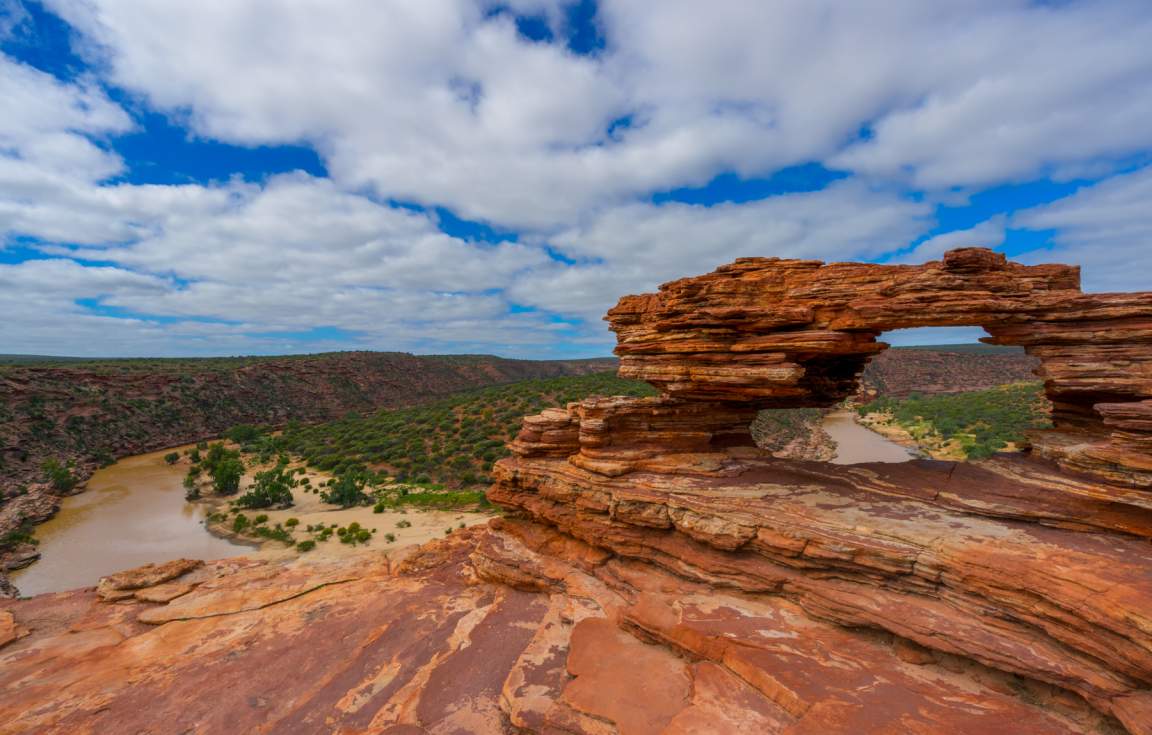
(122, 585)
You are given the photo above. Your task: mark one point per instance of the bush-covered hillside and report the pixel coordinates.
(453, 441)
(90, 412)
(929, 370)
(978, 423)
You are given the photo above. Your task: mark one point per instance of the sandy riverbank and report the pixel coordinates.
(134, 512)
(408, 526)
(885, 425)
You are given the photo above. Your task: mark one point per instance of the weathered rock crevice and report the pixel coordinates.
(1036, 566)
(656, 572)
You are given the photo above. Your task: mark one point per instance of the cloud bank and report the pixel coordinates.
(497, 174)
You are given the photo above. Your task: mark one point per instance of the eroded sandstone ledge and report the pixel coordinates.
(509, 629)
(779, 333)
(1036, 565)
(657, 573)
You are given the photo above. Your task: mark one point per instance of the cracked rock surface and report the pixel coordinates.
(656, 572)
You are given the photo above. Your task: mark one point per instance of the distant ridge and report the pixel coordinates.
(965, 348)
(230, 361)
(89, 410)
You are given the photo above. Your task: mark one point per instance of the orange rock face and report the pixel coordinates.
(777, 333)
(510, 629)
(657, 573)
(1036, 566)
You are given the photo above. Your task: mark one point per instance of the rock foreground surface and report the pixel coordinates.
(657, 573)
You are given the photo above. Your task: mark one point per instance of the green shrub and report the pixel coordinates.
(17, 536)
(405, 523)
(172, 457)
(243, 433)
(59, 475)
(240, 523)
(292, 522)
(191, 489)
(274, 534)
(306, 545)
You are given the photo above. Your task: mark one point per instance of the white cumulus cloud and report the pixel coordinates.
(443, 103)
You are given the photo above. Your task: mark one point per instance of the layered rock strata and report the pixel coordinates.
(657, 573)
(780, 333)
(515, 628)
(1035, 565)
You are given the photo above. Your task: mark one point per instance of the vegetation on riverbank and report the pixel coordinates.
(428, 460)
(89, 412)
(972, 425)
(273, 482)
(451, 442)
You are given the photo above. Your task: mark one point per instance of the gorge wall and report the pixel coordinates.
(90, 412)
(657, 573)
(87, 410)
(900, 372)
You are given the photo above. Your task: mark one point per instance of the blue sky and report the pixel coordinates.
(472, 176)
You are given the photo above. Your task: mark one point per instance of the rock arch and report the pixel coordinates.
(1032, 564)
(775, 333)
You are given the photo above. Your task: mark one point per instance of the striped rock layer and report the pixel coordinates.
(1034, 566)
(655, 572)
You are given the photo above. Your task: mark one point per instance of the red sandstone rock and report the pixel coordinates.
(8, 628)
(658, 573)
(123, 584)
(980, 567)
(609, 645)
(774, 333)
(164, 592)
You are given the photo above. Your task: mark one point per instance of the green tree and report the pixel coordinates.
(213, 457)
(347, 491)
(226, 478)
(270, 489)
(191, 487)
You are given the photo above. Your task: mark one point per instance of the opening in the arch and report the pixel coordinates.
(935, 393)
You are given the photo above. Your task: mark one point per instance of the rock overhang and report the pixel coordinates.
(774, 333)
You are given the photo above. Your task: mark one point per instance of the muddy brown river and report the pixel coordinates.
(856, 444)
(132, 513)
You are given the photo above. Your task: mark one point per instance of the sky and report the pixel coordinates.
(227, 177)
